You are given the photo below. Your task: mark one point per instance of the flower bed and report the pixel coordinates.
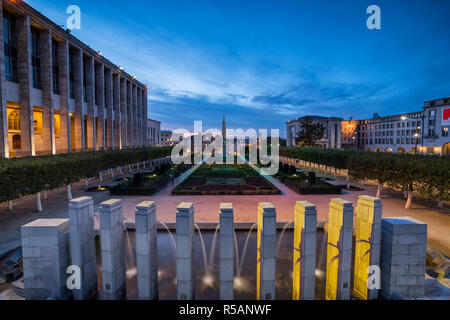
(225, 180)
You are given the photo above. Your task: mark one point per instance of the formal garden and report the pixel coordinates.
(148, 182)
(223, 179)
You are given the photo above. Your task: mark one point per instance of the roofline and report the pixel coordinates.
(26, 8)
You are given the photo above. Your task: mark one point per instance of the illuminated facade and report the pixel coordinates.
(59, 95)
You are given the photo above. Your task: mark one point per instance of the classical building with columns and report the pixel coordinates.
(58, 95)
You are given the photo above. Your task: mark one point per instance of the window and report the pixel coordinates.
(35, 59)
(55, 58)
(37, 119)
(432, 113)
(431, 122)
(13, 120)
(10, 46)
(57, 122)
(71, 75)
(445, 132)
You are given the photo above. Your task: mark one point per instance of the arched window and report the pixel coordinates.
(14, 121)
(446, 150)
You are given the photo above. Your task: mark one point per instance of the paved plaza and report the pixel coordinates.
(207, 209)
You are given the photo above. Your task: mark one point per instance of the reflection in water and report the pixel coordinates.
(207, 274)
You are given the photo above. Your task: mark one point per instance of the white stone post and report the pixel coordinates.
(226, 253)
(266, 255)
(113, 251)
(146, 250)
(82, 246)
(45, 249)
(339, 250)
(305, 231)
(403, 257)
(185, 251)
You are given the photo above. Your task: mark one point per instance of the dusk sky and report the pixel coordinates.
(262, 63)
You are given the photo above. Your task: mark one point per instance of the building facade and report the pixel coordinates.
(166, 138)
(424, 132)
(332, 134)
(154, 132)
(58, 95)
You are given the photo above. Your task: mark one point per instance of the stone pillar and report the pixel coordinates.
(91, 129)
(339, 250)
(123, 111)
(117, 115)
(226, 253)
(45, 249)
(146, 251)
(82, 246)
(266, 255)
(305, 230)
(25, 84)
(109, 109)
(367, 245)
(78, 90)
(185, 251)
(130, 115)
(66, 139)
(136, 115)
(145, 117)
(4, 142)
(48, 126)
(403, 257)
(100, 71)
(113, 250)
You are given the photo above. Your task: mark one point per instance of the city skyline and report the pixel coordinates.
(204, 60)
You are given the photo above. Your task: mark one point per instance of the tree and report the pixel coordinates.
(310, 132)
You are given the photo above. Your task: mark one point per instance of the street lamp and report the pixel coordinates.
(416, 135)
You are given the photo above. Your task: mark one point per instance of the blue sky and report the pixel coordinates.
(262, 63)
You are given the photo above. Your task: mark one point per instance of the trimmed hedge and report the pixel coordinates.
(26, 176)
(429, 176)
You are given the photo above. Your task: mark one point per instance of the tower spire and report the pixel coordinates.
(224, 129)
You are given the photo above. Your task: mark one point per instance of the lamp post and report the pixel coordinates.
(416, 135)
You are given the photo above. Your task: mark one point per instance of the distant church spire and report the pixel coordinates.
(224, 129)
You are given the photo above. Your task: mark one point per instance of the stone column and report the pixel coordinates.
(100, 71)
(185, 251)
(25, 84)
(305, 230)
(266, 255)
(113, 251)
(123, 111)
(367, 245)
(226, 253)
(82, 246)
(91, 130)
(138, 117)
(135, 118)
(78, 90)
(45, 249)
(117, 115)
(4, 142)
(145, 117)
(66, 140)
(48, 133)
(109, 109)
(339, 250)
(130, 115)
(146, 251)
(403, 257)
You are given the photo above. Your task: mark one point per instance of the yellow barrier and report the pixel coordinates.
(367, 245)
(339, 250)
